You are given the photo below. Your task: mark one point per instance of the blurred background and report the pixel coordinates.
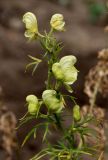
(84, 38)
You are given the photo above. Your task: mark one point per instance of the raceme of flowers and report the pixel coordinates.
(61, 72)
(64, 70)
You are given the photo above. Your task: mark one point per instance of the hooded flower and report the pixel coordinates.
(33, 104)
(65, 71)
(31, 25)
(57, 22)
(52, 102)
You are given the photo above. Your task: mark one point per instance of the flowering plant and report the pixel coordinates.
(73, 144)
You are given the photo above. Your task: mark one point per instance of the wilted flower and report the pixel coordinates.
(76, 112)
(52, 102)
(31, 25)
(33, 104)
(65, 71)
(57, 22)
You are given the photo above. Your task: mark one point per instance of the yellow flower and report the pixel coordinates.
(33, 104)
(65, 71)
(31, 25)
(52, 102)
(57, 22)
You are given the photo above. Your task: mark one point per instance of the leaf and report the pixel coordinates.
(82, 152)
(33, 64)
(38, 109)
(68, 88)
(58, 50)
(30, 64)
(25, 120)
(35, 133)
(25, 115)
(73, 99)
(45, 54)
(34, 58)
(40, 155)
(32, 132)
(46, 131)
(28, 136)
(34, 69)
(42, 41)
(59, 47)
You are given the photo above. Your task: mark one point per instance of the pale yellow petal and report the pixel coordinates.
(57, 22)
(57, 71)
(31, 25)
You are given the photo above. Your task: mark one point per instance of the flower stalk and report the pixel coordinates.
(61, 72)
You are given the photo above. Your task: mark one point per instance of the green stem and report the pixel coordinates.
(57, 85)
(51, 31)
(49, 74)
(58, 122)
(48, 81)
(40, 35)
(51, 59)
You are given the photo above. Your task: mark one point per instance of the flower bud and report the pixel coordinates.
(31, 25)
(32, 109)
(76, 112)
(57, 22)
(33, 104)
(52, 102)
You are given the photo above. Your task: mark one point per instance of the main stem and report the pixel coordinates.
(48, 86)
(49, 76)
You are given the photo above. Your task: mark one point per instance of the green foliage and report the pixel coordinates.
(96, 10)
(35, 62)
(72, 144)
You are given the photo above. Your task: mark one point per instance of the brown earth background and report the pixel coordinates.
(83, 38)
